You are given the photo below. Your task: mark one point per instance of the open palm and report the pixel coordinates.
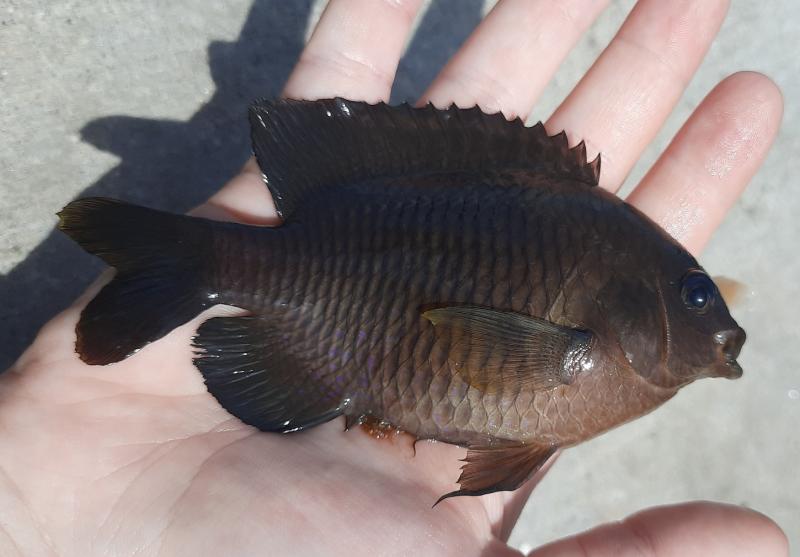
(137, 458)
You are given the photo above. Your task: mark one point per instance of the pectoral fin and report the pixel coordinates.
(504, 468)
(501, 350)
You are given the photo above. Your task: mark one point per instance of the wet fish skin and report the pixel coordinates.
(341, 294)
(351, 289)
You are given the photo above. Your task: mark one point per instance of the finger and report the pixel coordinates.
(354, 50)
(353, 53)
(698, 529)
(712, 158)
(507, 61)
(622, 101)
(245, 198)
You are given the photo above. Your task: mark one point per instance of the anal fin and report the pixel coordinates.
(250, 370)
(500, 468)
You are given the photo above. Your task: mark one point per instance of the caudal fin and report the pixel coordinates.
(161, 281)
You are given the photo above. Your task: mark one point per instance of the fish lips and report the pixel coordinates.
(733, 369)
(730, 344)
(729, 369)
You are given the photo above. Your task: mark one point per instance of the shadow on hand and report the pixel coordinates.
(175, 165)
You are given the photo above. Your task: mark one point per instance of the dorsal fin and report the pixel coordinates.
(304, 145)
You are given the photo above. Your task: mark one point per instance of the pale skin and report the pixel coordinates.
(137, 459)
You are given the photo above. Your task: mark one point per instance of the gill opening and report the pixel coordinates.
(666, 333)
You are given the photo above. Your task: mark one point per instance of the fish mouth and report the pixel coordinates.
(730, 344)
(728, 368)
(734, 369)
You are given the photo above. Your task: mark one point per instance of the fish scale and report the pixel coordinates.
(404, 250)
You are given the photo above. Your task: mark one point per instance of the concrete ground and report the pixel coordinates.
(146, 101)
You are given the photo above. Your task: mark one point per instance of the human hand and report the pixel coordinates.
(137, 458)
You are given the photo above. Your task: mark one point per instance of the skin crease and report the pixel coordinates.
(136, 457)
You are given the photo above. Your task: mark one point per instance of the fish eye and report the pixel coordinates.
(697, 290)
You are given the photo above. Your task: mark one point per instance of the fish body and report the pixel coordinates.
(453, 274)
(350, 291)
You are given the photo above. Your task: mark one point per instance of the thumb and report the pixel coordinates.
(687, 530)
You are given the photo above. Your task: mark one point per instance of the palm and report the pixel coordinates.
(141, 452)
(137, 458)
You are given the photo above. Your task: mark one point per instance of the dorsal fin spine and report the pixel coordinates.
(305, 145)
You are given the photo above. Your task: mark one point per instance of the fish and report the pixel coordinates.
(454, 274)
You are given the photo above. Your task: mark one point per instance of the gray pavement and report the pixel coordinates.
(146, 101)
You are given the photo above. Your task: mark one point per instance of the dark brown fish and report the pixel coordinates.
(450, 273)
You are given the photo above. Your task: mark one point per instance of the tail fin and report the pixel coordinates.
(161, 261)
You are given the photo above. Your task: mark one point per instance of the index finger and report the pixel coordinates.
(353, 53)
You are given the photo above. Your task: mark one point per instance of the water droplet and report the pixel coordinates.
(794, 394)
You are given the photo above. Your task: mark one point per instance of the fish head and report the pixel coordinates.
(703, 338)
(670, 324)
